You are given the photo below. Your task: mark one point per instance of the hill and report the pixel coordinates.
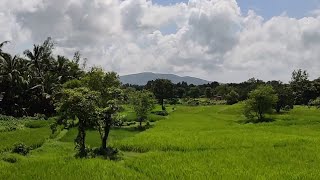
(143, 78)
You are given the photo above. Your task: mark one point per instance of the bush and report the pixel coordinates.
(7, 118)
(193, 102)
(109, 153)
(36, 124)
(10, 158)
(260, 102)
(172, 101)
(53, 127)
(161, 113)
(21, 148)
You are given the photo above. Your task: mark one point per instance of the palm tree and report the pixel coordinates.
(1, 45)
(12, 81)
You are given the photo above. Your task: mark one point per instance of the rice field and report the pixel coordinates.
(191, 143)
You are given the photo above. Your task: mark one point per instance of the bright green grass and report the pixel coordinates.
(31, 137)
(192, 143)
(93, 137)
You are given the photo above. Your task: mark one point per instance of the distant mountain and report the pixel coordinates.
(143, 78)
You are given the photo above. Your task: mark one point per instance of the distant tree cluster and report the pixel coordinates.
(29, 83)
(299, 91)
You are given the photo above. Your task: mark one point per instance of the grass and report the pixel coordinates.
(93, 137)
(192, 143)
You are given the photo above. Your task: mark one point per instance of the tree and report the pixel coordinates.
(300, 85)
(232, 97)
(223, 90)
(285, 96)
(1, 45)
(208, 92)
(79, 103)
(194, 92)
(12, 79)
(107, 115)
(162, 89)
(180, 92)
(98, 80)
(143, 103)
(260, 102)
(108, 86)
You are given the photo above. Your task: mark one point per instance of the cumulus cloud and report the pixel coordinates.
(210, 39)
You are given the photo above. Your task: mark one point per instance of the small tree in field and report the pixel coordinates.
(232, 97)
(261, 101)
(106, 116)
(143, 102)
(162, 89)
(79, 103)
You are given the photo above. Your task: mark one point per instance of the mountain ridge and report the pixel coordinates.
(144, 77)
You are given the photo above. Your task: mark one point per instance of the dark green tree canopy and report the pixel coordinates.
(261, 101)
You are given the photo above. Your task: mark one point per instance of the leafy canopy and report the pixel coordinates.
(261, 101)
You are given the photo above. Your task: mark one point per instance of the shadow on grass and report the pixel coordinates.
(134, 128)
(256, 121)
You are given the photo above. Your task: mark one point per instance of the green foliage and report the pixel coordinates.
(260, 102)
(232, 98)
(194, 92)
(208, 92)
(21, 148)
(30, 85)
(162, 89)
(53, 127)
(103, 82)
(302, 88)
(36, 124)
(143, 102)
(285, 96)
(80, 103)
(315, 103)
(10, 158)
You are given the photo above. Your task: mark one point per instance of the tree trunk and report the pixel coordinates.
(81, 139)
(162, 105)
(105, 136)
(140, 121)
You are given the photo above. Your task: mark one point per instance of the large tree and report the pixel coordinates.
(79, 103)
(162, 89)
(301, 87)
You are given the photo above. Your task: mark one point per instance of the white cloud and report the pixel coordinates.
(208, 39)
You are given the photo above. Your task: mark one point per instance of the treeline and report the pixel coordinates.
(299, 91)
(31, 84)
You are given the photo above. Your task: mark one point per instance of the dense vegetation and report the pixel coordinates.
(56, 113)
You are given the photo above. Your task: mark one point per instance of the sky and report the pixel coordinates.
(217, 40)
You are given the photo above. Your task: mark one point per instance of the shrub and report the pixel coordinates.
(7, 118)
(172, 101)
(232, 98)
(161, 113)
(10, 159)
(36, 124)
(108, 153)
(193, 102)
(53, 127)
(21, 148)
